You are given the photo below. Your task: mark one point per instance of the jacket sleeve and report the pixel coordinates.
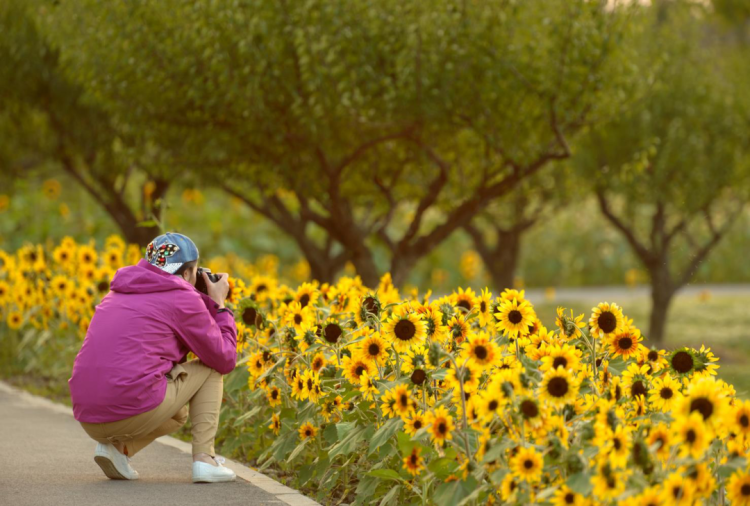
(211, 335)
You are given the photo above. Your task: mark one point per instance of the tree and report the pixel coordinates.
(668, 172)
(366, 111)
(497, 233)
(50, 125)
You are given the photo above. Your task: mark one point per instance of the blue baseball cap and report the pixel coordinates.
(169, 251)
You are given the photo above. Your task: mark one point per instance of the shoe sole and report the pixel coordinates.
(216, 479)
(109, 468)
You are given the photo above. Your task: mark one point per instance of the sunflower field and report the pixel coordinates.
(364, 395)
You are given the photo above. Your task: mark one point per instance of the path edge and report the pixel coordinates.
(266, 483)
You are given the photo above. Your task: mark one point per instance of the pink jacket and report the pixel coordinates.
(147, 322)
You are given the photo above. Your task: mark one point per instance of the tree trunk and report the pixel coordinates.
(662, 292)
(503, 263)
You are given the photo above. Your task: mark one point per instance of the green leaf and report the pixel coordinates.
(390, 496)
(580, 483)
(366, 488)
(305, 473)
(247, 415)
(442, 467)
(350, 442)
(330, 434)
(385, 474)
(452, 493)
(297, 450)
(384, 433)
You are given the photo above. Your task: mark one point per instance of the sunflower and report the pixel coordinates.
(740, 419)
(299, 317)
(527, 465)
(374, 349)
(262, 288)
(483, 303)
(275, 424)
(559, 387)
(564, 355)
(514, 318)
(367, 387)
(274, 396)
(414, 422)
(531, 412)
(665, 393)
(299, 391)
(481, 351)
(369, 308)
(307, 295)
(464, 300)
(636, 379)
(707, 398)
(661, 437)
(458, 328)
(508, 488)
(677, 490)
(416, 363)
(388, 406)
(607, 482)
(255, 364)
(405, 330)
(307, 431)
(618, 448)
(87, 255)
(311, 380)
(626, 343)
(353, 367)
(318, 362)
(682, 361)
(440, 425)
(738, 488)
(690, 435)
(564, 496)
(489, 403)
(570, 326)
(404, 404)
(468, 374)
(15, 320)
(331, 331)
(606, 320)
(413, 463)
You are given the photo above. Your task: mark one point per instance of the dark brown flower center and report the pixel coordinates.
(464, 304)
(297, 319)
(405, 330)
(482, 306)
(617, 443)
(666, 393)
(570, 498)
(417, 424)
(745, 489)
(557, 387)
(359, 370)
(418, 376)
(704, 406)
(480, 352)
(559, 361)
(528, 463)
(529, 409)
(442, 428)
(607, 322)
(332, 333)
(304, 300)
(638, 389)
(744, 420)
(682, 362)
(492, 406)
(249, 314)
(515, 317)
(690, 436)
(625, 343)
(653, 355)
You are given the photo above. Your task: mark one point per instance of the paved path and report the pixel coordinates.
(47, 459)
(618, 293)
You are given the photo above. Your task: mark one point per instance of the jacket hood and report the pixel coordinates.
(146, 278)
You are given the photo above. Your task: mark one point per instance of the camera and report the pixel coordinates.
(200, 283)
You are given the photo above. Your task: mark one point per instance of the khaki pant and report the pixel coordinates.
(191, 382)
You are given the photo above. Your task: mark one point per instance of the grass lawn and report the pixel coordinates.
(721, 323)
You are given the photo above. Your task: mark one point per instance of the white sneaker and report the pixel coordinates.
(206, 473)
(114, 464)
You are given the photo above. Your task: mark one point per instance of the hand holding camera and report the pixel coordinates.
(215, 286)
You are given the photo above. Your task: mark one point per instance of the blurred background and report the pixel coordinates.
(581, 150)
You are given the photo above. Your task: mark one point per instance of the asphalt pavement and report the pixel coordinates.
(47, 459)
